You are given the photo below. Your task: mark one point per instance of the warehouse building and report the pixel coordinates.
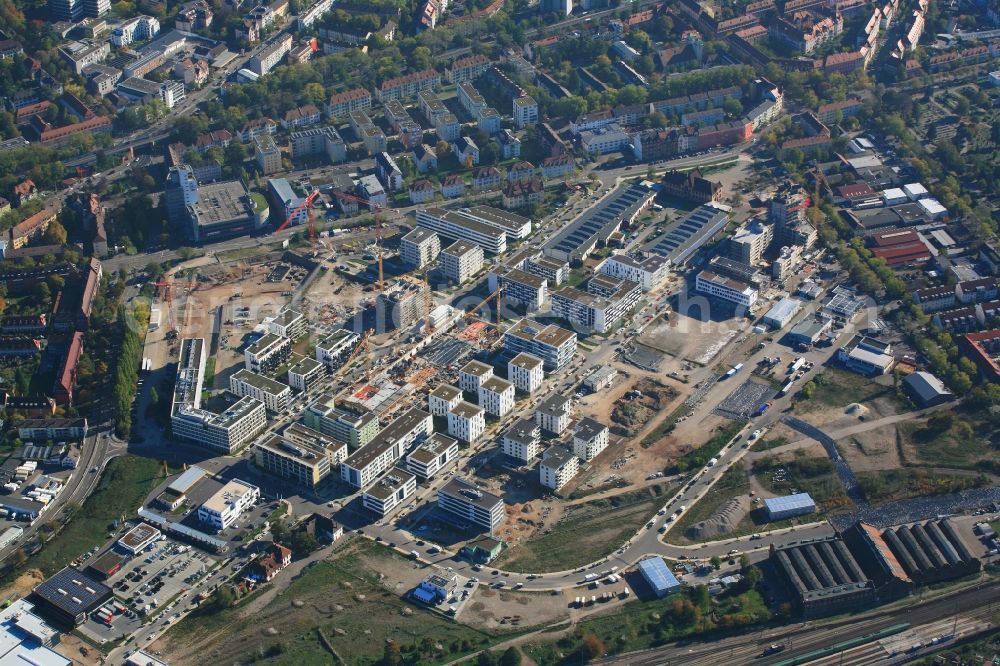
(463, 501)
(69, 596)
(659, 577)
(930, 552)
(781, 313)
(878, 561)
(822, 576)
(139, 537)
(789, 506)
(593, 228)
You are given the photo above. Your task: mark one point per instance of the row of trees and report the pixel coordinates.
(127, 367)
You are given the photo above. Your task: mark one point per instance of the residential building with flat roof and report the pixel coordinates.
(553, 414)
(383, 496)
(349, 423)
(267, 353)
(419, 248)
(649, 271)
(605, 302)
(726, 289)
(366, 464)
(443, 399)
(432, 455)
(301, 455)
(273, 394)
(461, 260)
(335, 348)
(496, 396)
(522, 440)
(304, 372)
(466, 421)
(464, 501)
(558, 467)
(518, 287)
(590, 438)
(289, 323)
(554, 345)
(473, 374)
(458, 225)
(526, 372)
(225, 507)
(401, 304)
(226, 432)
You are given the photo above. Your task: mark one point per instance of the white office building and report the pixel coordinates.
(519, 287)
(466, 422)
(272, 393)
(726, 288)
(468, 503)
(225, 507)
(389, 492)
(496, 396)
(590, 438)
(558, 467)
(526, 372)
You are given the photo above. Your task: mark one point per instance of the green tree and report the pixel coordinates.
(716, 562)
(511, 657)
(56, 233)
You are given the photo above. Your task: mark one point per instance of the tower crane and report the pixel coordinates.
(347, 363)
(495, 296)
(306, 204)
(167, 288)
(376, 210)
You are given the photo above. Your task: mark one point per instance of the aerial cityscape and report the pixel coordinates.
(499, 332)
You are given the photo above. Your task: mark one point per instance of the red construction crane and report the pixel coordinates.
(376, 213)
(307, 204)
(168, 295)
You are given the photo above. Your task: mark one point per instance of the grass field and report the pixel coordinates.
(587, 532)
(644, 624)
(839, 388)
(802, 474)
(338, 603)
(733, 483)
(957, 446)
(126, 482)
(894, 484)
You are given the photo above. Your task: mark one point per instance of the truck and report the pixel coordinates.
(786, 388)
(733, 370)
(796, 364)
(590, 577)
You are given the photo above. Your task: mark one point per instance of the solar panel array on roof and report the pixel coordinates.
(600, 221)
(71, 594)
(687, 235)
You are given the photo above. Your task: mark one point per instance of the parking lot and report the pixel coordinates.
(145, 583)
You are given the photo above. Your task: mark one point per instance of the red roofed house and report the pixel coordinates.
(90, 288)
(24, 191)
(983, 349)
(270, 564)
(62, 390)
(31, 228)
(855, 193)
(899, 248)
(523, 192)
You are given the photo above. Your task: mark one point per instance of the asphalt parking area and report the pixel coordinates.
(745, 400)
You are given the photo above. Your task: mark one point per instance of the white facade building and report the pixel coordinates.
(466, 422)
(590, 438)
(389, 492)
(472, 375)
(558, 467)
(443, 399)
(224, 507)
(522, 441)
(726, 289)
(648, 272)
(553, 414)
(496, 396)
(526, 372)
(272, 393)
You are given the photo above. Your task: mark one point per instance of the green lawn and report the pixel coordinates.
(587, 532)
(815, 476)
(957, 446)
(896, 484)
(840, 388)
(126, 482)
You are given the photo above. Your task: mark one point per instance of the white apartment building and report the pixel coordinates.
(367, 463)
(432, 455)
(496, 396)
(332, 350)
(725, 288)
(273, 394)
(472, 375)
(553, 413)
(526, 372)
(519, 287)
(268, 154)
(443, 399)
(461, 260)
(590, 437)
(225, 507)
(458, 225)
(271, 55)
(468, 503)
(288, 323)
(304, 373)
(226, 432)
(606, 301)
(522, 441)
(466, 422)
(389, 492)
(525, 111)
(140, 27)
(419, 248)
(558, 467)
(649, 272)
(267, 353)
(556, 346)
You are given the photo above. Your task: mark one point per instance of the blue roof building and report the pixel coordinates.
(789, 506)
(659, 577)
